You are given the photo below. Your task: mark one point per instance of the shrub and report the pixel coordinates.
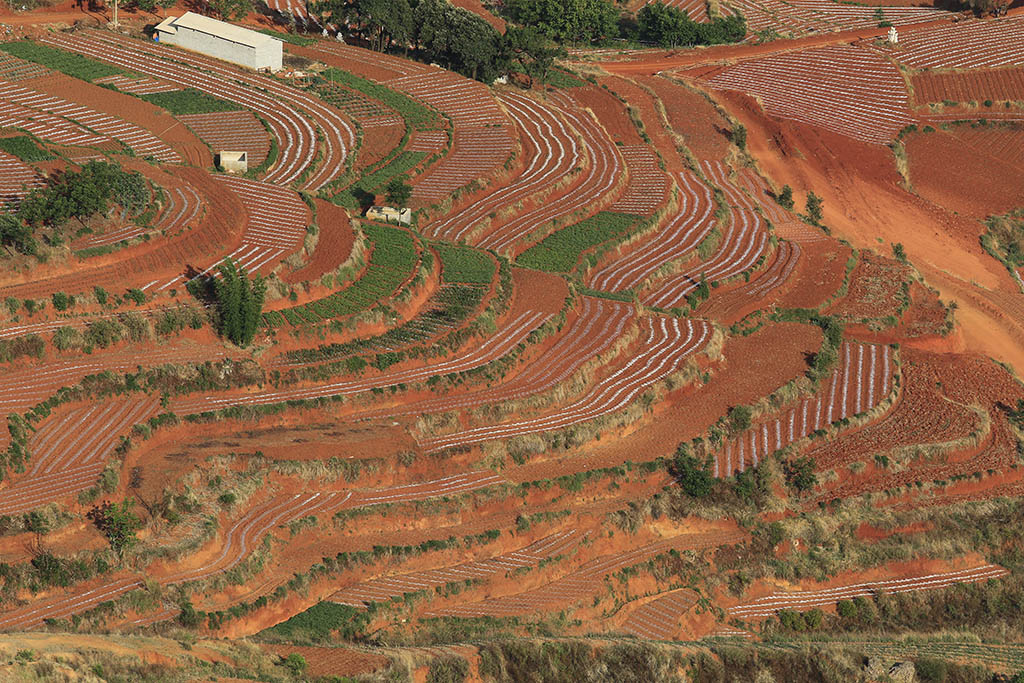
(931, 670)
(295, 663)
(800, 473)
(693, 476)
(815, 208)
(62, 301)
(785, 197)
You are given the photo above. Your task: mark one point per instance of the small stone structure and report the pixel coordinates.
(389, 214)
(233, 162)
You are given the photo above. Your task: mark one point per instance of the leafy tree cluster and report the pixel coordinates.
(73, 194)
(800, 473)
(567, 21)
(239, 302)
(441, 32)
(672, 27)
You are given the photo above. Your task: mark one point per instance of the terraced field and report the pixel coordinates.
(697, 345)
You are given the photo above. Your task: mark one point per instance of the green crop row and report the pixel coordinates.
(69, 63)
(416, 115)
(465, 264)
(561, 251)
(448, 308)
(392, 261)
(189, 101)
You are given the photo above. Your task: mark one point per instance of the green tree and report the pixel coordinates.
(239, 303)
(230, 9)
(800, 473)
(118, 523)
(575, 21)
(666, 26)
(815, 208)
(459, 39)
(528, 48)
(398, 191)
(739, 136)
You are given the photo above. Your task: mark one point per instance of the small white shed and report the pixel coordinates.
(221, 40)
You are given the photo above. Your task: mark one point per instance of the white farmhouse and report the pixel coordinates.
(221, 40)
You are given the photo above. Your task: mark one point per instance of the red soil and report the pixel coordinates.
(995, 185)
(864, 201)
(691, 115)
(875, 288)
(333, 246)
(969, 86)
(940, 402)
(333, 661)
(128, 108)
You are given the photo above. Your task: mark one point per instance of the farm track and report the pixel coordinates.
(846, 89)
(659, 619)
(975, 45)
(769, 605)
(67, 454)
(666, 346)
(587, 193)
(743, 241)
(220, 228)
(142, 142)
(490, 349)
(550, 152)
(242, 538)
(387, 587)
(730, 304)
(23, 388)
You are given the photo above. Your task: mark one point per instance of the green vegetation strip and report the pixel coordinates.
(287, 37)
(1004, 240)
(416, 115)
(465, 265)
(320, 621)
(189, 101)
(25, 148)
(66, 62)
(560, 251)
(392, 261)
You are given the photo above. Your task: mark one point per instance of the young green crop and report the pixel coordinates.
(560, 251)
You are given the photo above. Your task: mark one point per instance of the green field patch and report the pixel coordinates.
(361, 193)
(25, 148)
(392, 261)
(321, 620)
(189, 101)
(560, 251)
(416, 115)
(66, 62)
(465, 264)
